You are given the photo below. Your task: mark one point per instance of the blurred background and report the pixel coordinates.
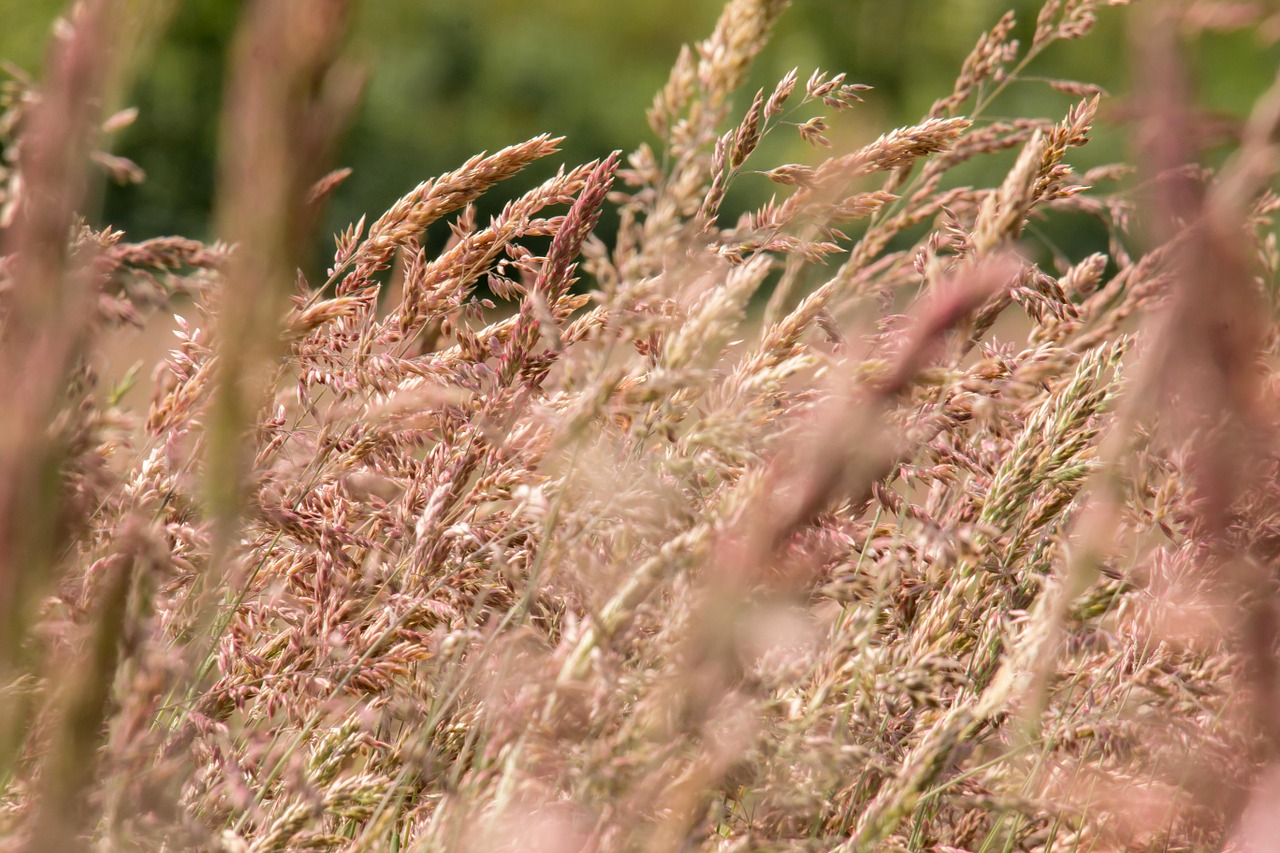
(449, 79)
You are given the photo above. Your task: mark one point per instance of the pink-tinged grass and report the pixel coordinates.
(845, 525)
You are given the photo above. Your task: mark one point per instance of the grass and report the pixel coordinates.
(842, 526)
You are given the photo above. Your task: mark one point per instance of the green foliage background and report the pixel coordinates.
(449, 79)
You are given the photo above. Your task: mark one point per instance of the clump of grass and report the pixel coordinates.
(625, 563)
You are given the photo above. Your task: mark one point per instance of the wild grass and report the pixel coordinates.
(842, 526)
